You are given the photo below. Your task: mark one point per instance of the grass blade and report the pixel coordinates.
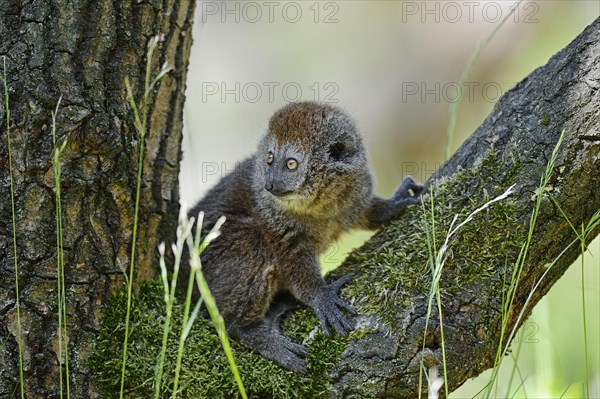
(519, 265)
(63, 353)
(186, 311)
(183, 231)
(196, 249)
(14, 231)
(585, 340)
(454, 106)
(138, 189)
(141, 126)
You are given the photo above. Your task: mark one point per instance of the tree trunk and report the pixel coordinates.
(82, 51)
(512, 146)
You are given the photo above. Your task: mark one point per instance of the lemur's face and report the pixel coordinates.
(283, 168)
(308, 150)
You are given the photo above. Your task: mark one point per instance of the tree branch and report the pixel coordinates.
(512, 146)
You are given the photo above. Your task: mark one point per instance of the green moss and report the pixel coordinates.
(545, 121)
(401, 252)
(205, 372)
(361, 332)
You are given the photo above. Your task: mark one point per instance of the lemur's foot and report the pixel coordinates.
(266, 339)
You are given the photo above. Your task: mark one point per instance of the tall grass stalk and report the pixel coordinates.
(521, 385)
(60, 264)
(196, 247)
(562, 395)
(432, 250)
(141, 126)
(437, 261)
(585, 345)
(443, 342)
(585, 231)
(466, 72)
(187, 320)
(5, 341)
(183, 230)
(14, 231)
(521, 315)
(515, 368)
(518, 268)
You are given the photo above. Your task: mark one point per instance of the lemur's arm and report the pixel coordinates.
(383, 210)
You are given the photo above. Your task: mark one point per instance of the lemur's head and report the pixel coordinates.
(311, 155)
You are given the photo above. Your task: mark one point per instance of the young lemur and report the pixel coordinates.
(307, 183)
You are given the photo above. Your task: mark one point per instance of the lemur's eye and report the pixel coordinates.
(292, 164)
(270, 158)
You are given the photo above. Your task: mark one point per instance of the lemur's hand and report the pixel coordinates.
(328, 307)
(403, 193)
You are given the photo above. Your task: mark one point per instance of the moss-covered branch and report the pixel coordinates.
(392, 270)
(512, 146)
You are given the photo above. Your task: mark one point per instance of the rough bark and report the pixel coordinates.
(82, 50)
(523, 130)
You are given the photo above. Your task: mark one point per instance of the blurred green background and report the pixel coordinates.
(393, 66)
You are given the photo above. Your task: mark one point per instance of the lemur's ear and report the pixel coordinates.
(337, 151)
